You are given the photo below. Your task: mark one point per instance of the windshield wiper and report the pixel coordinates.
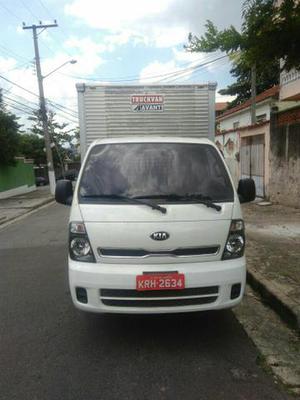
(206, 200)
(198, 197)
(136, 200)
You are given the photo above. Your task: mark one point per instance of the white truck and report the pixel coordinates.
(155, 223)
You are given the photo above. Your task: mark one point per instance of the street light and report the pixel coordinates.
(65, 63)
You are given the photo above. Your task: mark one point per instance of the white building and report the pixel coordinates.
(246, 146)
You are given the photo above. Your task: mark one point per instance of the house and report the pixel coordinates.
(246, 146)
(290, 85)
(285, 142)
(220, 107)
(269, 150)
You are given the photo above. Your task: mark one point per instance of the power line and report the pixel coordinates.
(183, 73)
(18, 102)
(28, 9)
(16, 67)
(35, 106)
(27, 111)
(121, 79)
(170, 74)
(61, 30)
(51, 17)
(45, 8)
(61, 111)
(191, 69)
(20, 97)
(54, 104)
(16, 108)
(218, 65)
(9, 11)
(11, 53)
(42, 4)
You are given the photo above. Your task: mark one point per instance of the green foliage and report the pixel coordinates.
(32, 146)
(228, 40)
(268, 34)
(9, 138)
(65, 139)
(266, 78)
(273, 32)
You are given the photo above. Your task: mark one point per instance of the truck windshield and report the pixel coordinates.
(168, 171)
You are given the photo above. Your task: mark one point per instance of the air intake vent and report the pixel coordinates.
(159, 298)
(159, 303)
(140, 253)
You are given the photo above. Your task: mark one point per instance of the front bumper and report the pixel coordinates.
(205, 276)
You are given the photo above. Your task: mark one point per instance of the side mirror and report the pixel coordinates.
(246, 190)
(64, 192)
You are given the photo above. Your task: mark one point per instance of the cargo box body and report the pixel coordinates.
(160, 110)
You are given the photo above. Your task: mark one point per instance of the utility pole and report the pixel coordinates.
(253, 94)
(47, 138)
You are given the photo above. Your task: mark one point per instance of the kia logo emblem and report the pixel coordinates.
(160, 236)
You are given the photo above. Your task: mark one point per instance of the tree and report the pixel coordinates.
(9, 138)
(64, 138)
(267, 77)
(32, 146)
(269, 33)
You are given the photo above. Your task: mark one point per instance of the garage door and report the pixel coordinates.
(253, 161)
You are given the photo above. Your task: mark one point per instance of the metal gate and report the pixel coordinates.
(253, 161)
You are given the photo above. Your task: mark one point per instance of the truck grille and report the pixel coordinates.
(162, 298)
(141, 253)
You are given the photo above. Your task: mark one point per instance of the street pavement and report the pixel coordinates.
(18, 206)
(273, 254)
(49, 350)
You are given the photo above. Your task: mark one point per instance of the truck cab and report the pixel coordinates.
(155, 227)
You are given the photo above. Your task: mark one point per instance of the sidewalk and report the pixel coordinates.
(16, 206)
(273, 257)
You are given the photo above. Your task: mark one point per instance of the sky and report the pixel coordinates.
(113, 41)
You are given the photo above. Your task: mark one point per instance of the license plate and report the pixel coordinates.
(160, 282)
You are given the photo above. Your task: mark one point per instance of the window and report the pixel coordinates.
(154, 169)
(236, 124)
(261, 118)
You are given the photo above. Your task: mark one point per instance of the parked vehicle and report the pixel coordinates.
(71, 174)
(155, 223)
(41, 181)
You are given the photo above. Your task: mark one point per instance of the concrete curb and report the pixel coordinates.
(29, 210)
(278, 301)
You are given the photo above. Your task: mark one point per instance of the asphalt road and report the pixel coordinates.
(49, 350)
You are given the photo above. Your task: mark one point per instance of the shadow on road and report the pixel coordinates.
(165, 331)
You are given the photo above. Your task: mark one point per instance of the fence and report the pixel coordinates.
(17, 179)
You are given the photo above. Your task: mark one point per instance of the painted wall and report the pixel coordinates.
(285, 158)
(244, 116)
(16, 179)
(265, 131)
(290, 85)
(229, 144)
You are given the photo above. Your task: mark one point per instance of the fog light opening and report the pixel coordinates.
(81, 295)
(235, 291)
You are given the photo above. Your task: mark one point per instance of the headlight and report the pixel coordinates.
(79, 244)
(80, 247)
(235, 244)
